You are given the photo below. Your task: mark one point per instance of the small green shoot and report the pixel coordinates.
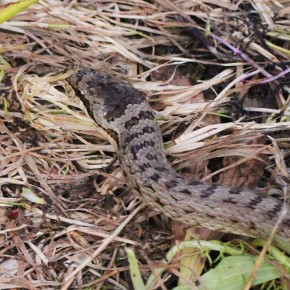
(15, 8)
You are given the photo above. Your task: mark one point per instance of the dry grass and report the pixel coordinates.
(214, 71)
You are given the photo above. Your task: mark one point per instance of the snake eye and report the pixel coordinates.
(112, 112)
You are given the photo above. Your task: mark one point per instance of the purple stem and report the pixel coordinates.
(242, 55)
(281, 74)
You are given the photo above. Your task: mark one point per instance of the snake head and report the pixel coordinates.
(105, 97)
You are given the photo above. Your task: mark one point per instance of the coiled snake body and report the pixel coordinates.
(117, 106)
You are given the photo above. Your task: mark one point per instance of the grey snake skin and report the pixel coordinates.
(116, 105)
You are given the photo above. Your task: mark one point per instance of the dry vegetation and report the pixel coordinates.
(216, 74)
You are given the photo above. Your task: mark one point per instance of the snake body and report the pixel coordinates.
(116, 105)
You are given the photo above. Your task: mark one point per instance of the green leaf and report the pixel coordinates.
(232, 273)
(3, 71)
(32, 197)
(135, 271)
(13, 9)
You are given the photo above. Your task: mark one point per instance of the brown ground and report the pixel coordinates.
(216, 74)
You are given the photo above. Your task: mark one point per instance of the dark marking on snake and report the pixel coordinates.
(229, 200)
(254, 202)
(155, 177)
(143, 115)
(235, 190)
(136, 135)
(185, 191)
(134, 149)
(207, 192)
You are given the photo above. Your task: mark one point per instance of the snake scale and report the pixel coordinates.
(116, 105)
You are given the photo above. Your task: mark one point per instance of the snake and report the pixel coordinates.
(118, 107)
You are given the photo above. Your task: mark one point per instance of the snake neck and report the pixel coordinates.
(141, 146)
